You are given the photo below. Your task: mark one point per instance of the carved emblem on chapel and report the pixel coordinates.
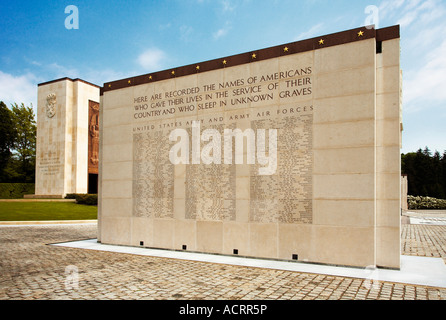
(51, 105)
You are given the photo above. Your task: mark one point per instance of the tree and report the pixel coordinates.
(408, 166)
(426, 173)
(437, 190)
(25, 143)
(7, 139)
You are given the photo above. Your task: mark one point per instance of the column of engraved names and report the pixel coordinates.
(210, 189)
(286, 196)
(153, 175)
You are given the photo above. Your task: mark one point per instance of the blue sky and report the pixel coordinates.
(118, 39)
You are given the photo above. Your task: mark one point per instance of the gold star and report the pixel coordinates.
(360, 33)
(254, 56)
(173, 72)
(197, 67)
(224, 62)
(321, 42)
(150, 77)
(109, 85)
(130, 82)
(285, 49)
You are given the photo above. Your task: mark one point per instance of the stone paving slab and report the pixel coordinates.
(32, 269)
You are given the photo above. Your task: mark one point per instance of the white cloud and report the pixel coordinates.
(389, 8)
(107, 75)
(186, 32)
(423, 50)
(312, 32)
(23, 88)
(427, 82)
(19, 89)
(412, 4)
(415, 10)
(424, 72)
(164, 26)
(408, 18)
(152, 59)
(220, 33)
(424, 69)
(227, 6)
(434, 14)
(61, 71)
(99, 77)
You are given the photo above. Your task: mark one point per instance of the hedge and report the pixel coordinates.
(87, 199)
(423, 203)
(15, 190)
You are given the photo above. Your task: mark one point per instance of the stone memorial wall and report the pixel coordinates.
(289, 152)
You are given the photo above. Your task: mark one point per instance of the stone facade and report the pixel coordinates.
(334, 196)
(63, 137)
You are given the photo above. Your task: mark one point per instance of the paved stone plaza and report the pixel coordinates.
(30, 268)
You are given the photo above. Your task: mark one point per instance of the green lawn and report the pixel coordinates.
(46, 211)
